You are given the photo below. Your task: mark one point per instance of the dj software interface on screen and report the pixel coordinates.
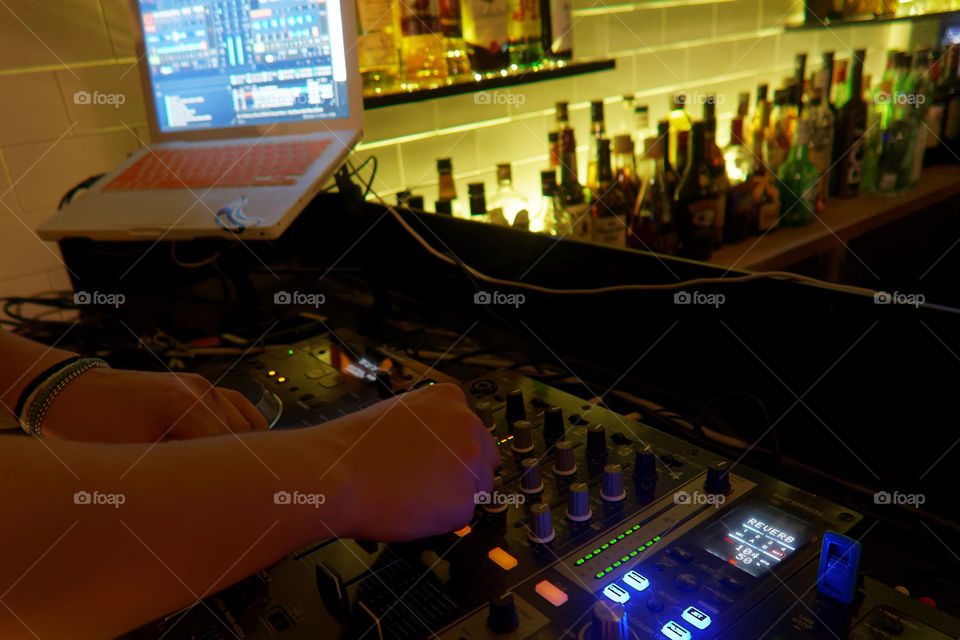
(232, 63)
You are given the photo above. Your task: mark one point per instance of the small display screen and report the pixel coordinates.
(756, 538)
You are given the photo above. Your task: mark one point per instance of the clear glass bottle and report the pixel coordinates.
(798, 180)
(549, 218)
(680, 123)
(570, 193)
(625, 167)
(652, 227)
(739, 165)
(423, 53)
(597, 132)
(822, 125)
(781, 130)
(378, 46)
(507, 198)
(451, 27)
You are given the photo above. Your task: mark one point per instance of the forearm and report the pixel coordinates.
(21, 360)
(196, 516)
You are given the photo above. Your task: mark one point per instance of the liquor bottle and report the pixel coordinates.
(825, 82)
(696, 201)
(549, 218)
(524, 43)
(717, 164)
(446, 188)
(478, 201)
(739, 165)
(798, 93)
(641, 122)
(653, 227)
(562, 115)
(597, 132)
(781, 131)
(485, 31)
(671, 178)
(403, 197)
(443, 207)
(609, 208)
(896, 155)
(680, 124)
(422, 51)
(841, 88)
(377, 46)
(951, 117)
(556, 28)
(848, 142)
(570, 193)
(822, 128)
(553, 143)
(451, 26)
(625, 167)
(798, 180)
(759, 121)
(923, 83)
(935, 113)
(415, 202)
(507, 198)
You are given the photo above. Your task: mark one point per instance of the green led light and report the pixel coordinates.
(604, 546)
(620, 537)
(596, 551)
(628, 532)
(599, 575)
(580, 561)
(617, 563)
(624, 558)
(614, 541)
(657, 539)
(633, 553)
(588, 556)
(608, 570)
(648, 544)
(289, 352)
(635, 527)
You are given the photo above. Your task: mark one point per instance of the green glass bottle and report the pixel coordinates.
(798, 182)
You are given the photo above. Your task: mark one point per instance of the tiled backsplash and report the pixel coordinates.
(49, 51)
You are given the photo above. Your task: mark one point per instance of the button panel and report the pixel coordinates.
(674, 631)
(695, 617)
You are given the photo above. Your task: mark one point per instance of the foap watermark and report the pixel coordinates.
(496, 297)
(499, 97)
(701, 98)
(909, 499)
(110, 499)
(912, 99)
(699, 497)
(499, 498)
(298, 297)
(909, 299)
(97, 98)
(99, 298)
(296, 498)
(699, 298)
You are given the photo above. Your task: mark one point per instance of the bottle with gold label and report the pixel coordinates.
(609, 207)
(451, 26)
(697, 200)
(378, 46)
(423, 53)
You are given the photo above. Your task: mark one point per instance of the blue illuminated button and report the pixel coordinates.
(697, 618)
(674, 631)
(635, 580)
(616, 593)
(655, 605)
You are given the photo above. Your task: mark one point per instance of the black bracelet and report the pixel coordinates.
(36, 382)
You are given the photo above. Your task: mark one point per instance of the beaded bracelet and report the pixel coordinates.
(38, 402)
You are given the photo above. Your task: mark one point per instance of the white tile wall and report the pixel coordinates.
(51, 50)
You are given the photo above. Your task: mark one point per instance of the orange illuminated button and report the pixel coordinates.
(551, 593)
(502, 558)
(462, 532)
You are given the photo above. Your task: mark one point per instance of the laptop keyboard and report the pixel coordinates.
(264, 164)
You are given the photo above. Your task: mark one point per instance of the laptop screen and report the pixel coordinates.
(237, 63)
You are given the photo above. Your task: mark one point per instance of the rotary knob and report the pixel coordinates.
(515, 407)
(522, 436)
(718, 478)
(530, 481)
(503, 614)
(644, 465)
(578, 507)
(613, 490)
(564, 463)
(541, 525)
(485, 413)
(596, 442)
(609, 622)
(553, 427)
(494, 505)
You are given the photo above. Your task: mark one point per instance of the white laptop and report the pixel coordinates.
(252, 106)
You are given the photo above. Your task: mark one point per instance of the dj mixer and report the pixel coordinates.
(598, 528)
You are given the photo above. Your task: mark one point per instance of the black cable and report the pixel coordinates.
(86, 184)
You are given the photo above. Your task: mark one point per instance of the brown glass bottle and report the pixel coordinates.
(697, 200)
(609, 208)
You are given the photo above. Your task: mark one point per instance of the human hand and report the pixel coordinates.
(407, 467)
(117, 405)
